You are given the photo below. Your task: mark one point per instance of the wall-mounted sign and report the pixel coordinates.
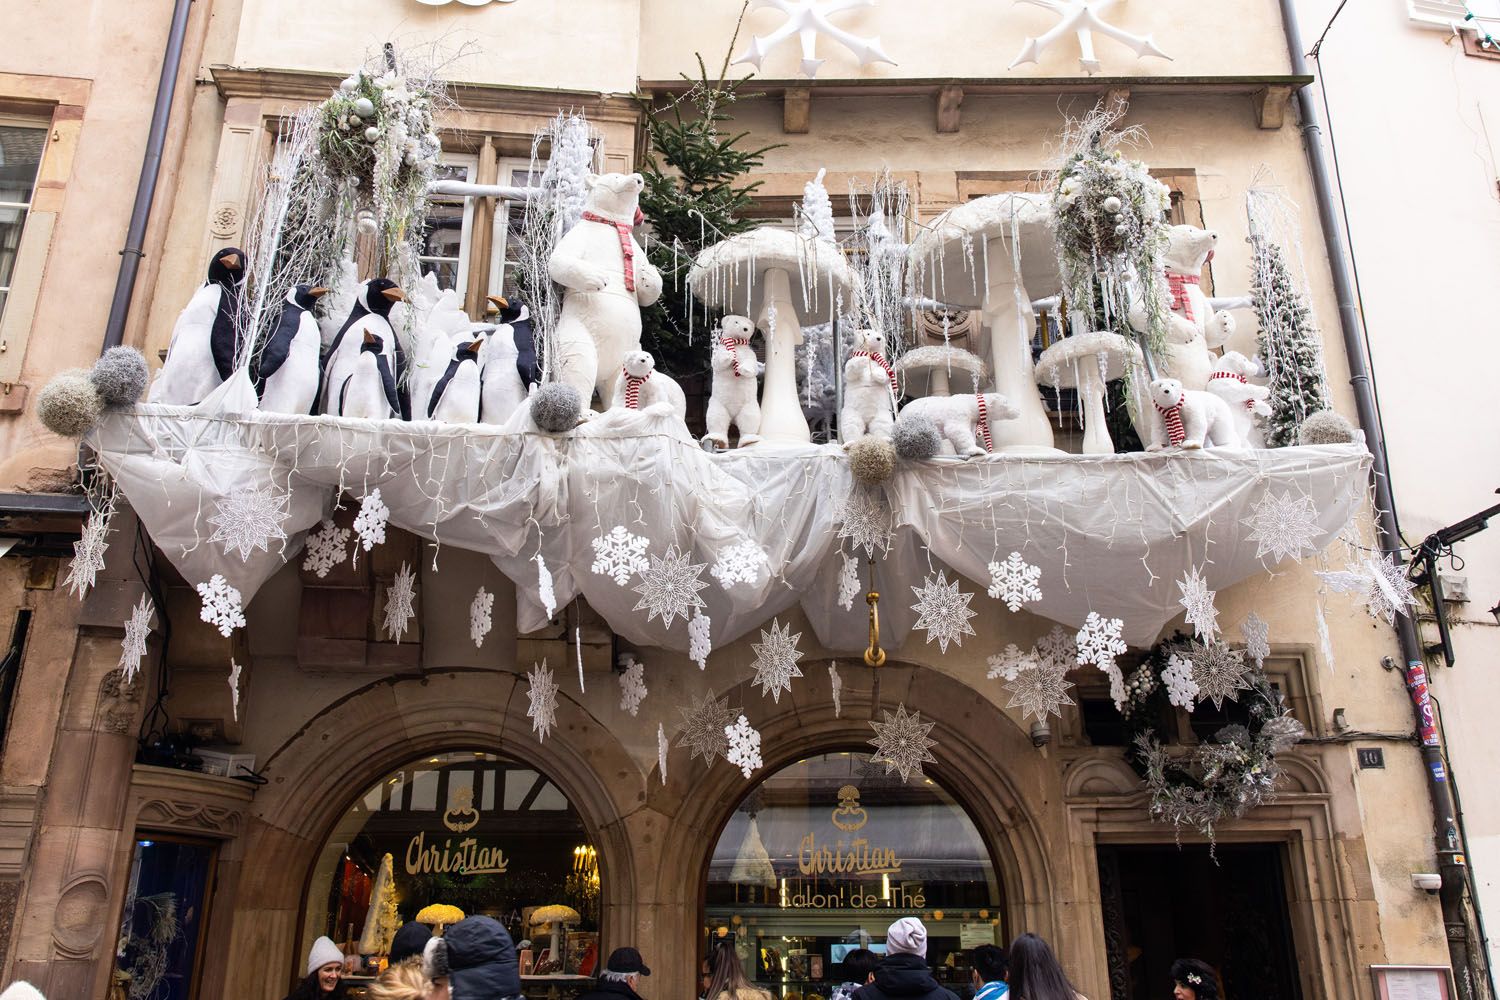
(826, 859)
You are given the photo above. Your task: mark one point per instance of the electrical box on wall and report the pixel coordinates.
(1455, 585)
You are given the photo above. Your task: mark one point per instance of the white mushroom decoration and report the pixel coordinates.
(983, 254)
(559, 917)
(1086, 362)
(929, 371)
(784, 280)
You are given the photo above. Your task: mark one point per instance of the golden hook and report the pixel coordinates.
(874, 656)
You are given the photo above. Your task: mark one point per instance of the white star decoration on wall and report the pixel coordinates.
(1083, 18)
(807, 19)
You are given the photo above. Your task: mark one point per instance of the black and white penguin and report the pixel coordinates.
(370, 314)
(455, 398)
(204, 340)
(368, 391)
(510, 363)
(287, 378)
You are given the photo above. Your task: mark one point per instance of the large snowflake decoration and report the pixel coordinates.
(1382, 588)
(866, 520)
(221, 605)
(234, 688)
(837, 684)
(739, 563)
(901, 743)
(1218, 670)
(541, 695)
(700, 638)
(1009, 662)
(743, 742)
(370, 522)
(1099, 641)
(1177, 676)
(848, 582)
(398, 602)
(620, 555)
(544, 591)
(807, 19)
(943, 611)
(133, 646)
(1014, 581)
(88, 553)
(1057, 649)
(251, 518)
(703, 725)
(670, 588)
(632, 683)
(662, 746)
(1282, 527)
(479, 616)
(1039, 691)
(1083, 18)
(776, 657)
(1198, 601)
(1257, 635)
(326, 548)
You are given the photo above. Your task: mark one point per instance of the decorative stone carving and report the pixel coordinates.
(225, 221)
(118, 701)
(952, 326)
(198, 817)
(79, 919)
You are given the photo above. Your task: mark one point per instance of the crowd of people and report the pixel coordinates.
(475, 959)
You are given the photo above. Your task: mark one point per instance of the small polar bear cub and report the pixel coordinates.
(733, 399)
(869, 392)
(957, 418)
(641, 387)
(1230, 382)
(1190, 418)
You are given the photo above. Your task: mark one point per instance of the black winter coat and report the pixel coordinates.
(609, 989)
(904, 977)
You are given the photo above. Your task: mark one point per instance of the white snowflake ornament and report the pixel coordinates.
(901, 743)
(1257, 636)
(1282, 527)
(541, 696)
(221, 605)
(776, 657)
(1009, 662)
(545, 594)
(137, 630)
(398, 602)
(670, 588)
(943, 611)
(632, 683)
(1057, 649)
(700, 639)
(866, 520)
(1198, 601)
(744, 746)
(88, 553)
(1177, 677)
(620, 555)
(1218, 670)
(837, 683)
(1014, 581)
(370, 522)
(703, 726)
(1083, 18)
(661, 751)
(742, 562)
(251, 518)
(479, 616)
(234, 688)
(1099, 641)
(1040, 690)
(1381, 587)
(326, 548)
(848, 582)
(807, 19)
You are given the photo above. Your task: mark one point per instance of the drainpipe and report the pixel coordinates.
(1450, 857)
(145, 190)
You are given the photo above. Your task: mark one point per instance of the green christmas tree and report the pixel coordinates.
(1289, 345)
(694, 197)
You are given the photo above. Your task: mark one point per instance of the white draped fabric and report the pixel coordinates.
(1111, 533)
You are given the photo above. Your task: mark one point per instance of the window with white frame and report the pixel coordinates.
(21, 145)
(505, 254)
(451, 240)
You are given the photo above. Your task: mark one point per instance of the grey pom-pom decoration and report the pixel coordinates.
(1325, 427)
(69, 404)
(916, 438)
(120, 375)
(872, 460)
(555, 407)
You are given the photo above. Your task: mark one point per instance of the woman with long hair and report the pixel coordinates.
(1194, 980)
(325, 974)
(726, 977)
(1035, 972)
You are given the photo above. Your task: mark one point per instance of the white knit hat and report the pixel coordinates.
(21, 991)
(323, 953)
(906, 936)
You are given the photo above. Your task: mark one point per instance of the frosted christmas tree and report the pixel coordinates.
(1288, 342)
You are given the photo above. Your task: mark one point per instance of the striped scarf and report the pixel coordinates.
(1178, 283)
(626, 247)
(732, 345)
(1249, 403)
(880, 360)
(633, 389)
(1172, 416)
(984, 422)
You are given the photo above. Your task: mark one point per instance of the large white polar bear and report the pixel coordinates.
(1192, 325)
(606, 278)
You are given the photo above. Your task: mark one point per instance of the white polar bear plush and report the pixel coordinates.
(639, 386)
(1230, 382)
(1189, 418)
(869, 390)
(1192, 325)
(606, 278)
(733, 398)
(964, 420)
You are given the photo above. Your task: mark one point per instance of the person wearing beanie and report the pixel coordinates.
(1192, 979)
(475, 959)
(325, 973)
(903, 973)
(621, 974)
(409, 942)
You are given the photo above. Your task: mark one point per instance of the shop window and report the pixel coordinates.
(21, 147)
(157, 955)
(825, 854)
(468, 829)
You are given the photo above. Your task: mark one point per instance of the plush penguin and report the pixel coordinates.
(368, 391)
(455, 398)
(287, 378)
(370, 315)
(510, 363)
(204, 340)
